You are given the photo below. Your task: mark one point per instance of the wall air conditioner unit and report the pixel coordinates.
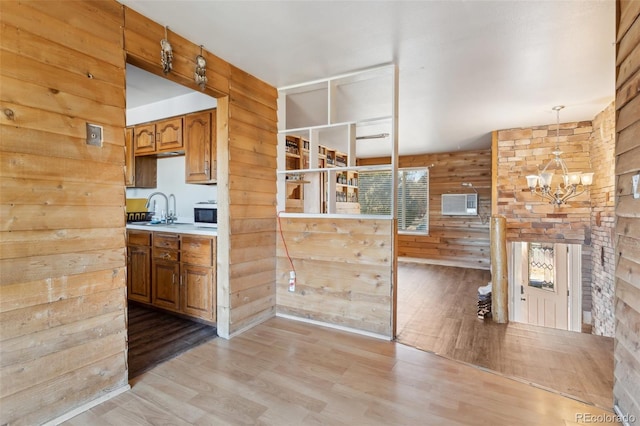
(460, 204)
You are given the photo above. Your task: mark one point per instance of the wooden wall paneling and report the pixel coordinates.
(27, 294)
(224, 230)
(252, 200)
(16, 378)
(102, 19)
(59, 80)
(106, 374)
(627, 139)
(627, 302)
(343, 272)
(28, 348)
(40, 20)
(63, 66)
(142, 38)
(77, 194)
(627, 14)
(29, 45)
(62, 263)
(457, 240)
(22, 244)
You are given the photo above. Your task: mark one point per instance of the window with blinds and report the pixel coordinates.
(413, 197)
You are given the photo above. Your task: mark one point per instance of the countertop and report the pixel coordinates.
(180, 228)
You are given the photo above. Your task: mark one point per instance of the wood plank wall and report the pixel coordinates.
(344, 272)
(62, 248)
(246, 155)
(627, 300)
(252, 200)
(62, 257)
(456, 240)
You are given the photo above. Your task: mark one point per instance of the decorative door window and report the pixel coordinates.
(541, 266)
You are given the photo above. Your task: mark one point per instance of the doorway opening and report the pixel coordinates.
(156, 335)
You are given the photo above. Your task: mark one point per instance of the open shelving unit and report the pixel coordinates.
(319, 125)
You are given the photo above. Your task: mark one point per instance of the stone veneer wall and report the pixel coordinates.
(603, 222)
(530, 218)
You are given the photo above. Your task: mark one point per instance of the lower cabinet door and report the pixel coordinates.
(166, 284)
(197, 291)
(138, 277)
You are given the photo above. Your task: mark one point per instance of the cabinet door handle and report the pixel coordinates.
(206, 167)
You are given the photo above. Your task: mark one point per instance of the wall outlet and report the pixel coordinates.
(635, 179)
(292, 281)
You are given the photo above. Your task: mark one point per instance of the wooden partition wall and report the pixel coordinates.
(627, 303)
(62, 268)
(344, 272)
(63, 335)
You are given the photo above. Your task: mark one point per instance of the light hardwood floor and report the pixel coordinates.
(284, 372)
(437, 312)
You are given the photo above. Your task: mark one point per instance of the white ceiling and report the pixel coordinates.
(466, 67)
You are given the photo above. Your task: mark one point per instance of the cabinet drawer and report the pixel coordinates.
(197, 250)
(168, 241)
(166, 254)
(138, 238)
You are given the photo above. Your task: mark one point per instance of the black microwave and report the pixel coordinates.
(205, 214)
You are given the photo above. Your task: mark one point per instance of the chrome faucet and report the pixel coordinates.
(163, 213)
(173, 214)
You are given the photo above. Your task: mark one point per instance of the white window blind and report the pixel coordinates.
(413, 197)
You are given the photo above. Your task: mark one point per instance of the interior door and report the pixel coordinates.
(541, 284)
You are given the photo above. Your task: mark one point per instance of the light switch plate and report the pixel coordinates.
(94, 134)
(636, 186)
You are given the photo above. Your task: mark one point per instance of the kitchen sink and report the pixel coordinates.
(149, 223)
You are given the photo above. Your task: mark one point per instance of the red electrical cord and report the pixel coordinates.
(286, 250)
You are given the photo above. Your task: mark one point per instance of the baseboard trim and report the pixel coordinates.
(334, 326)
(247, 327)
(85, 407)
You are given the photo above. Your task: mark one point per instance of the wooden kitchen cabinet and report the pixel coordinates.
(165, 273)
(144, 139)
(158, 137)
(173, 271)
(169, 135)
(139, 266)
(200, 147)
(198, 276)
(197, 291)
(142, 171)
(166, 284)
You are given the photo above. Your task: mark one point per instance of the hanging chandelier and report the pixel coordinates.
(571, 184)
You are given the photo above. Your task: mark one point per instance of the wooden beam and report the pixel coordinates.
(500, 285)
